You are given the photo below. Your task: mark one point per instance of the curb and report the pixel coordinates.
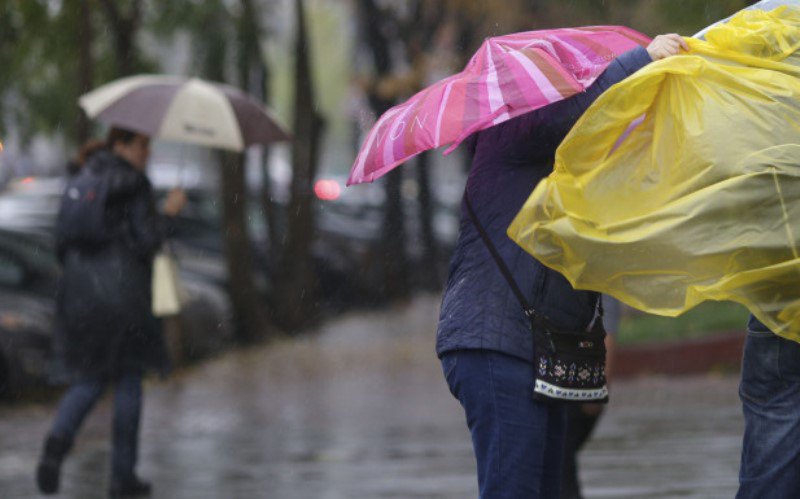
(720, 352)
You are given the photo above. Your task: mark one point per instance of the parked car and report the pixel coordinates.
(347, 244)
(347, 248)
(29, 274)
(31, 204)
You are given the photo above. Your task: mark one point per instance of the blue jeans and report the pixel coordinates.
(770, 394)
(518, 442)
(79, 400)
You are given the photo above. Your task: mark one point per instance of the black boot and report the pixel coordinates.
(48, 472)
(131, 487)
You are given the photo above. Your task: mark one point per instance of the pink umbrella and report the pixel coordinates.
(509, 75)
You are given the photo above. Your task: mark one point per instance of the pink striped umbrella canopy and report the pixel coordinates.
(509, 75)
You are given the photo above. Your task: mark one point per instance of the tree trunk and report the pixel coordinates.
(85, 66)
(254, 77)
(125, 26)
(268, 205)
(248, 304)
(393, 240)
(123, 44)
(269, 208)
(423, 26)
(395, 260)
(299, 289)
(430, 261)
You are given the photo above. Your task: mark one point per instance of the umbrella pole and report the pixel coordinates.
(181, 166)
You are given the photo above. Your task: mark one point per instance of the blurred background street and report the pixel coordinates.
(304, 346)
(330, 415)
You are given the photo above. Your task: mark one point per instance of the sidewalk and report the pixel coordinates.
(677, 437)
(360, 410)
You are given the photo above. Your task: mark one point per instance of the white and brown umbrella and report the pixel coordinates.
(184, 110)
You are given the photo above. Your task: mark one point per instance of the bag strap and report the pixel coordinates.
(529, 311)
(501, 264)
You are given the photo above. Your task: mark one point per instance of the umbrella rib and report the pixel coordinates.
(442, 106)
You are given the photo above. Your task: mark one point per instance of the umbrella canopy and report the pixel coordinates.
(509, 75)
(184, 110)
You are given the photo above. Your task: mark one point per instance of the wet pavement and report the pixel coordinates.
(360, 410)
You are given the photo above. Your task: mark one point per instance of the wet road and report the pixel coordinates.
(360, 410)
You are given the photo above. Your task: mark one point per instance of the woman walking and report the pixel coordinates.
(107, 235)
(484, 339)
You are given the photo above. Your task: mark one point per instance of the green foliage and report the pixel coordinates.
(690, 16)
(705, 319)
(210, 25)
(19, 45)
(38, 53)
(648, 16)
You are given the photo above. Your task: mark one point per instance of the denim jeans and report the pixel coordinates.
(79, 400)
(581, 422)
(770, 394)
(518, 442)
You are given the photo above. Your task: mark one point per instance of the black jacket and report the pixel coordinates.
(105, 326)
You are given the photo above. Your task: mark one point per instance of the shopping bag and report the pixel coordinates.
(168, 292)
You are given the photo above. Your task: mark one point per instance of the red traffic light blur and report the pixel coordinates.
(327, 190)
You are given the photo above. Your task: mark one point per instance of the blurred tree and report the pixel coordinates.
(40, 43)
(125, 18)
(247, 301)
(426, 22)
(211, 26)
(298, 289)
(414, 26)
(429, 272)
(689, 16)
(85, 65)
(378, 26)
(254, 77)
(38, 85)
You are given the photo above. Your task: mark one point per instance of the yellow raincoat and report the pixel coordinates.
(682, 183)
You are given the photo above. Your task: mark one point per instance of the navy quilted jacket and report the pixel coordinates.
(479, 310)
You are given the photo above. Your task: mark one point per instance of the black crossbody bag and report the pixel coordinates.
(569, 365)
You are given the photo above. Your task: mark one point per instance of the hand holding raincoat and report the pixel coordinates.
(681, 184)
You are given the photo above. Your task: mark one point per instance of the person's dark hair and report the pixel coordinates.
(86, 151)
(120, 135)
